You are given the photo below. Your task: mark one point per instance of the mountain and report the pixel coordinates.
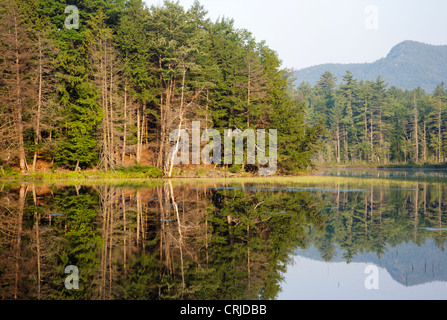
(407, 263)
(408, 65)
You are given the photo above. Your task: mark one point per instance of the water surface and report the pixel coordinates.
(303, 238)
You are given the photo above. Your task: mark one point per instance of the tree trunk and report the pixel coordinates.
(171, 163)
(37, 217)
(372, 139)
(162, 121)
(439, 132)
(416, 207)
(19, 107)
(416, 135)
(366, 125)
(248, 95)
(338, 143)
(346, 145)
(425, 143)
(39, 106)
(138, 136)
(103, 83)
(381, 140)
(111, 144)
(21, 208)
(125, 232)
(125, 126)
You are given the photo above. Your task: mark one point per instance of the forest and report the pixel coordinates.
(101, 85)
(368, 122)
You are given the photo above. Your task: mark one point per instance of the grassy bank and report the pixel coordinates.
(134, 173)
(331, 182)
(124, 173)
(151, 176)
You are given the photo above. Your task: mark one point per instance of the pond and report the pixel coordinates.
(350, 236)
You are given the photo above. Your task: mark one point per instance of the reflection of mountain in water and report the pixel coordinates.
(219, 241)
(407, 263)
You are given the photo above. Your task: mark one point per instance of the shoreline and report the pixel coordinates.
(117, 176)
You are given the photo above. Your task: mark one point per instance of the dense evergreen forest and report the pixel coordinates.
(106, 90)
(369, 122)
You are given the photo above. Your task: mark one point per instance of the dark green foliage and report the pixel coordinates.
(131, 74)
(148, 171)
(81, 240)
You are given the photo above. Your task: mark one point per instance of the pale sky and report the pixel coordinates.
(310, 32)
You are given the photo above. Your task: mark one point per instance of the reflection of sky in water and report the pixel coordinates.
(308, 279)
(385, 213)
(400, 228)
(406, 271)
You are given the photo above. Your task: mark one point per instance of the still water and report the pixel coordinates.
(325, 237)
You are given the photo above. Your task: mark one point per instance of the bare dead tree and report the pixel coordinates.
(17, 55)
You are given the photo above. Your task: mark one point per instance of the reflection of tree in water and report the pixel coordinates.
(377, 218)
(182, 242)
(158, 243)
(248, 245)
(220, 245)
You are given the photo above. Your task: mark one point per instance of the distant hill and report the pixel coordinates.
(407, 263)
(408, 65)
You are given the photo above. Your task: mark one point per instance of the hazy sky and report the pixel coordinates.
(309, 32)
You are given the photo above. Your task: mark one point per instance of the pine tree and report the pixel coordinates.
(255, 83)
(139, 82)
(78, 96)
(352, 114)
(106, 70)
(438, 101)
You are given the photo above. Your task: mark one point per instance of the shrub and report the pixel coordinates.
(145, 171)
(235, 169)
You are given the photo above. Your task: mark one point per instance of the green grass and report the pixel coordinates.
(140, 176)
(330, 181)
(119, 175)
